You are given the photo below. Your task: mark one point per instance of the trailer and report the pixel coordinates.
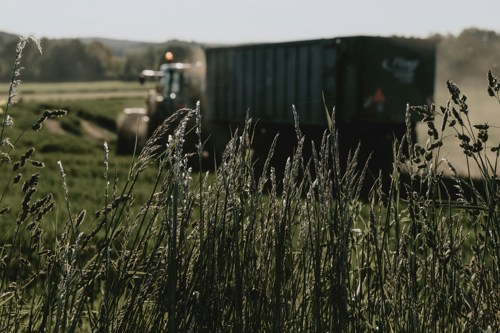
(369, 81)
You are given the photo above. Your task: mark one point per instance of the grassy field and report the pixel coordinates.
(92, 241)
(77, 90)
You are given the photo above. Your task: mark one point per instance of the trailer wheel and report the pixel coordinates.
(132, 130)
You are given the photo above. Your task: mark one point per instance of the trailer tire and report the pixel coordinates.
(131, 130)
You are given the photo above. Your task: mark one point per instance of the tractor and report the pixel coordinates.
(178, 85)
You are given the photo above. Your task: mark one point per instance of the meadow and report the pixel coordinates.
(76, 90)
(92, 241)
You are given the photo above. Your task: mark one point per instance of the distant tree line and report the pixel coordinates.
(472, 52)
(76, 60)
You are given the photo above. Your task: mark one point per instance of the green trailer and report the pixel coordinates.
(369, 81)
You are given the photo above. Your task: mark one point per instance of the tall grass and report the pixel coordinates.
(236, 251)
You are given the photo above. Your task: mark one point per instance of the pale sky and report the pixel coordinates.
(243, 21)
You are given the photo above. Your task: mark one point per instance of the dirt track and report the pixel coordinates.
(90, 130)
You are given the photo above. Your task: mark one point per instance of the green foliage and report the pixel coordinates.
(71, 60)
(244, 252)
(68, 60)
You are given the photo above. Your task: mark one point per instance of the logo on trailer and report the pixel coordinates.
(402, 69)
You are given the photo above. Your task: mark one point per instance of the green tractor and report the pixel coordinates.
(178, 86)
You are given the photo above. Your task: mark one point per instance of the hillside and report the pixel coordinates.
(6, 37)
(122, 48)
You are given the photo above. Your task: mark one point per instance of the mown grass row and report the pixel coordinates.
(236, 251)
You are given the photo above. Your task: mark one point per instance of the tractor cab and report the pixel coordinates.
(175, 89)
(173, 82)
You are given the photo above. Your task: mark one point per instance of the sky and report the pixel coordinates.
(243, 21)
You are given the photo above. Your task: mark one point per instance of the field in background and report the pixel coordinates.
(76, 140)
(77, 90)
